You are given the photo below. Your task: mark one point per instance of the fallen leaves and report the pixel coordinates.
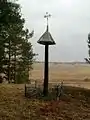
(14, 106)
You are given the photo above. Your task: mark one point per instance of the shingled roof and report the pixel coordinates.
(46, 39)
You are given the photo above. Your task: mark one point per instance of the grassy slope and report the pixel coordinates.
(14, 106)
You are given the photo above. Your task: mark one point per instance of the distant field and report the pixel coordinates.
(72, 74)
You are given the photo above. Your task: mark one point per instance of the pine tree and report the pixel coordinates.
(1, 56)
(88, 41)
(27, 56)
(15, 42)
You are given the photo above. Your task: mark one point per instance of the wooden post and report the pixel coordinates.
(25, 91)
(45, 90)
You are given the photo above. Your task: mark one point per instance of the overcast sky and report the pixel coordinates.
(69, 26)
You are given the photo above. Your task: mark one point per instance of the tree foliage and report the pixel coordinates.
(16, 53)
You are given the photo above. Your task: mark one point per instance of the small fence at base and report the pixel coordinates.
(35, 90)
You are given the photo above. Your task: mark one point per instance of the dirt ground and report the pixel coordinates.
(74, 105)
(74, 74)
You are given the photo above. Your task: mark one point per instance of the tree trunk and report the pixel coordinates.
(9, 69)
(15, 66)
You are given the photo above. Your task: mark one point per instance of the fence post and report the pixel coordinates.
(35, 84)
(57, 91)
(61, 90)
(25, 90)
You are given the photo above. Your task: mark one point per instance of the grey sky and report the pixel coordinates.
(69, 26)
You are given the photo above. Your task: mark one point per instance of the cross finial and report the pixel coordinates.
(47, 16)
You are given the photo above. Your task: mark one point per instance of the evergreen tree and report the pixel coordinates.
(88, 59)
(17, 54)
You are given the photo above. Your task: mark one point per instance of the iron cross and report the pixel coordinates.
(47, 16)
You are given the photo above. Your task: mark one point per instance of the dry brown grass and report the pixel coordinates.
(71, 74)
(74, 106)
(14, 106)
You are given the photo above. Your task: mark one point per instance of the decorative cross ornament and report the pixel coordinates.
(47, 16)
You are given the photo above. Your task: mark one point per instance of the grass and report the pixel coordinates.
(70, 74)
(61, 71)
(75, 105)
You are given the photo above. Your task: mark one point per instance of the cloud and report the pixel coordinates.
(69, 26)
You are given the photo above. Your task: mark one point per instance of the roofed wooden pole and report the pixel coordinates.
(45, 90)
(46, 39)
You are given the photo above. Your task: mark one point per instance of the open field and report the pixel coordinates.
(14, 106)
(70, 73)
